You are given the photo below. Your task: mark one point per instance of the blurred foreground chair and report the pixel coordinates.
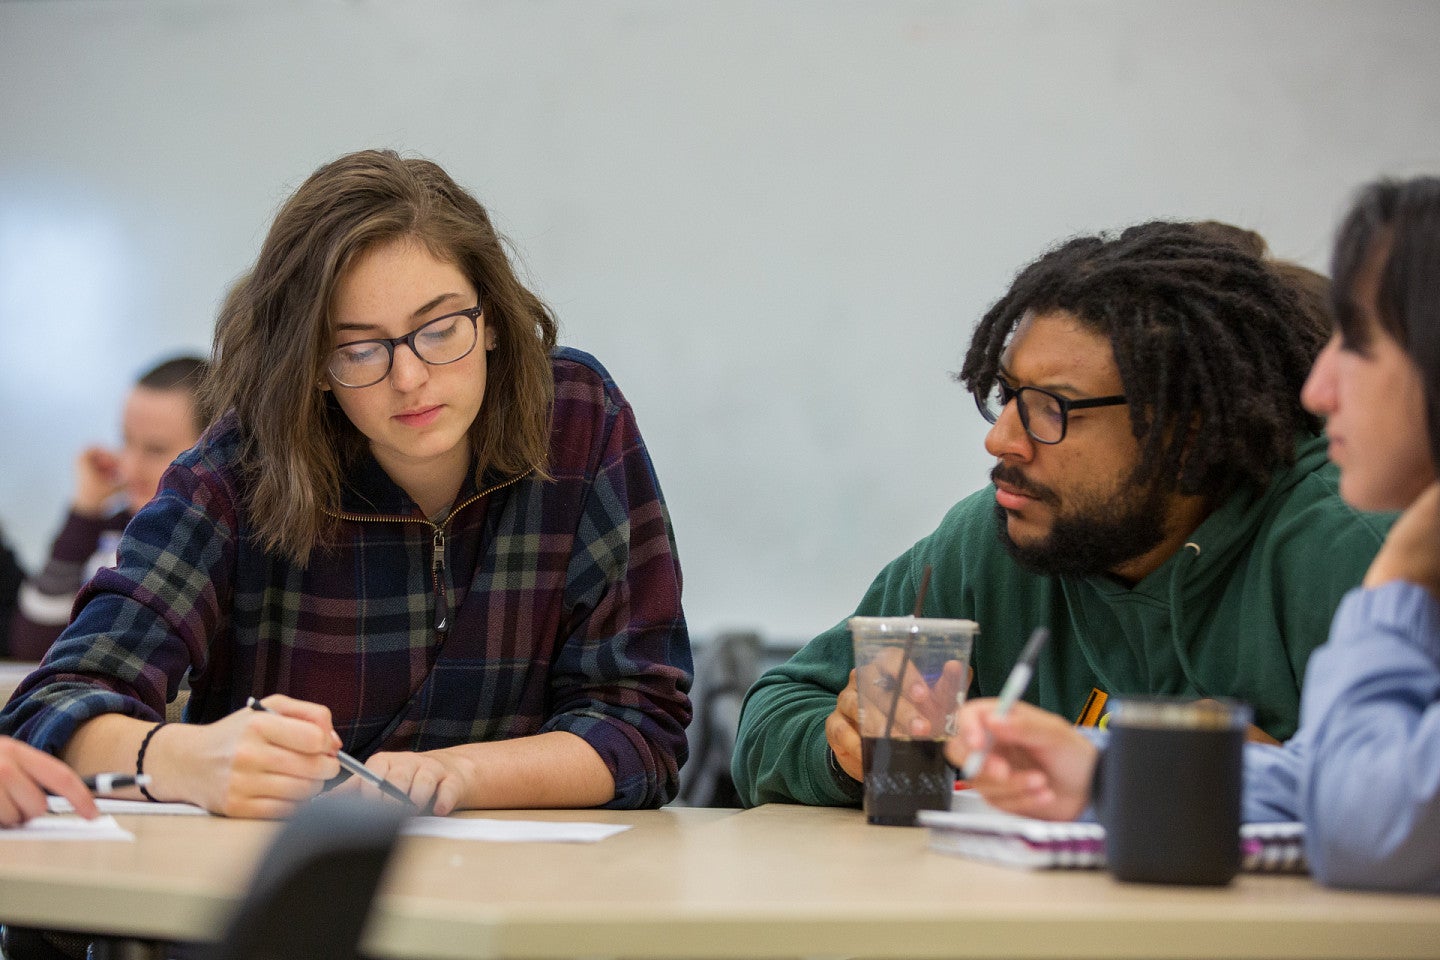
(314, 888)
(309, 899)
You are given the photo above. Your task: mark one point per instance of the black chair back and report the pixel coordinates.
(313, 890)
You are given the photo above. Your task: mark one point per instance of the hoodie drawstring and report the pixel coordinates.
(1190, 555)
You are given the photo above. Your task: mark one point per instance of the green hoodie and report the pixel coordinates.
(1235, 613)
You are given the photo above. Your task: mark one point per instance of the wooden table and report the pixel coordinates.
(11, 673)
(776, 881)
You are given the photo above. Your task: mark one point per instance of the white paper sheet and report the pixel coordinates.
(510, 831)
(106, 805)
(68, 828)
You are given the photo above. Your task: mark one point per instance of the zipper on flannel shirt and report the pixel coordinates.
(437, 571)
(437, 562)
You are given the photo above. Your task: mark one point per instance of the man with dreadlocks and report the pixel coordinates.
(1160, 500)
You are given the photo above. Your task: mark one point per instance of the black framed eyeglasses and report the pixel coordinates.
(364, 363)
(1044, 415)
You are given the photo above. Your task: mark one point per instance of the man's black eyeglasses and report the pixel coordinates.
(1044, 415)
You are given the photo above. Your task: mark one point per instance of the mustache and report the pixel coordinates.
(1012, 477)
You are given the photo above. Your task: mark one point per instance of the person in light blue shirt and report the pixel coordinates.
(1363, 770)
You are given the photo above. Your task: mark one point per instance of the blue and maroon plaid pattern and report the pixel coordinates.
(563, 599)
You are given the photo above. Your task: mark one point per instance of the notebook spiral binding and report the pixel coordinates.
(1043, 844)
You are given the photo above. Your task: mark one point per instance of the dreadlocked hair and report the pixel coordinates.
(1211, 345)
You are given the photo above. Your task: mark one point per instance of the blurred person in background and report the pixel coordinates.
(162, 418)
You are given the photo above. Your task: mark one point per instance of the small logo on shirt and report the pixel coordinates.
(1093, 713)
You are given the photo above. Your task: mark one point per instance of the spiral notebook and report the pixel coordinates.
(1044, 844)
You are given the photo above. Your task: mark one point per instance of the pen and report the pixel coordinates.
(353, 766)
(111, 782)
(1015, 685)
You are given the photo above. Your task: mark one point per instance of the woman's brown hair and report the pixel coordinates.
(274, 336)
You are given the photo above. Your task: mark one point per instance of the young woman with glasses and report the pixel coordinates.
(418, 532)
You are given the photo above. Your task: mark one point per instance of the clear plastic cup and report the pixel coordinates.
(911, 674)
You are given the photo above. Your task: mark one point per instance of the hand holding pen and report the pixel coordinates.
(1039, 764)
(250, 764)
(1014, 689)
(353, 766)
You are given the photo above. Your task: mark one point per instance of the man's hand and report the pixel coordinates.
(1038, 765)
(842, 730)
(912, 707)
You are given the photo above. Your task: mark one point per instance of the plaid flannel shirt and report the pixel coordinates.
(554, 605)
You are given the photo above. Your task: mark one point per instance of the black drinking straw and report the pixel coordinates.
(905, 657)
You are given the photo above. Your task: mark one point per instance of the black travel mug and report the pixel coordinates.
(1170, 790)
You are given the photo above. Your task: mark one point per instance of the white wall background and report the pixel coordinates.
(776, 221)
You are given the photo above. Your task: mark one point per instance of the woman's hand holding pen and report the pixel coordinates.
(250, 763)
(1038, 764)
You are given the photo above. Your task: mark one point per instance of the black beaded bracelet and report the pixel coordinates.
(140, 758)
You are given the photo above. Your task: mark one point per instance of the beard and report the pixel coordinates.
(1093, 539)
